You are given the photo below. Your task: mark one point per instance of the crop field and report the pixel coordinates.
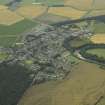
(96, 13)
(9, 34)
(84, 86)
(8, 17)
(79, 4)
(99, 52)
(31, 11)
(99, 4)
(51, 18)
(66, 12)
(98, 38)
(17, 28)
(3, 7)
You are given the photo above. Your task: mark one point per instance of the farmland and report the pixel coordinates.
(99, 4)
(51, 18)
(57, 75)
(9, 34)
(79, 4)
(96, 13)
(98, 38)
(99, 52)
(3, 7)
(46, 2)
(66, 12)
(77, 42)
(31, 11)
(8, 17)
(17, 28)
(83, 86)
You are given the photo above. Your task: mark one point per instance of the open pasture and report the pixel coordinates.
(5, 1)
(66, 12)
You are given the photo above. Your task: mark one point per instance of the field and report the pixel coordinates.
(9, 34)
(77, 42)
(31, 11)
(3, 7)
(98, 38)
(96, 13)
(84, 86)
(48, 18)
(17, 28)
(99, 4)
(4, 1)
(79, 4)
(99, 52)
(8, 17)
(66, 12)
(47, 2)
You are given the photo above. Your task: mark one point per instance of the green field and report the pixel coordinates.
(99, 27)
(7, 41)
(17, 28)
(4, 1)
(48, 2)
(77, 42)
(3, 55)
(99, 52)
(9, 34)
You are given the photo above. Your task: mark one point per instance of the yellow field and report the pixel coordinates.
(31, 11)
(84, 86)
(97, 13)
(66, 12)
(8, 17)
(98, 38)
(3, 7)
(79, 4)
(99, 4)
